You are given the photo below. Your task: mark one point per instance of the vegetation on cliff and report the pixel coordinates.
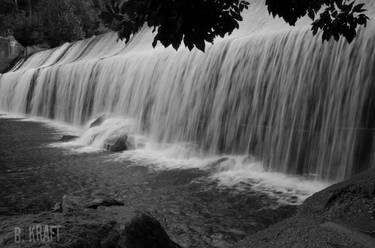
(50, 22)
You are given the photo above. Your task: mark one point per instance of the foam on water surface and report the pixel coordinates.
(228, 171)
(242, 173)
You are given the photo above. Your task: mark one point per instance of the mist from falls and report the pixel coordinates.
(297, 104)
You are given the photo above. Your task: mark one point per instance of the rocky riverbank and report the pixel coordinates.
(340, 216)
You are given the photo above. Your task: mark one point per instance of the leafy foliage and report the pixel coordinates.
(49, 21)
(190, 21)
(339, 18)
(6, 6)
(59, 22)
(195, 22)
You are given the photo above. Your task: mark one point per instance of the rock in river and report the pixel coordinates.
(98, 121)
(123, 143)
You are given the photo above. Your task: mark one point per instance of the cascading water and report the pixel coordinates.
(299, 105)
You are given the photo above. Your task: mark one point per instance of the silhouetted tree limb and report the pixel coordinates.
(335, 18)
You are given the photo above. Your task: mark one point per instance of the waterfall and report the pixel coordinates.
(299, 105)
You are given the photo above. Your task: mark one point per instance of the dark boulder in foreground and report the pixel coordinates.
(123, 143)
(144, 231)
(67, 138)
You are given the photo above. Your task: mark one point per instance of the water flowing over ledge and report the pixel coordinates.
(298, 105)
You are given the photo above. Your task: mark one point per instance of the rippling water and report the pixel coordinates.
(34, 176)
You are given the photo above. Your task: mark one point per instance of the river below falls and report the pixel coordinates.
(34, 176)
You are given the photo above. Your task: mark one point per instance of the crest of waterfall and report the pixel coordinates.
(300, 105)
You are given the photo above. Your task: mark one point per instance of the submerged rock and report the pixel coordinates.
(67, 138)
(123, 143)
(104, 203)
(75, 203)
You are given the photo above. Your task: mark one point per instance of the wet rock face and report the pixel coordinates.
(98, 121)
(337, 199)
(342, 215)
(123, 143)
(351, 203)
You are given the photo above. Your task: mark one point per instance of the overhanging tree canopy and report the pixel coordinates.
(195, 21)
